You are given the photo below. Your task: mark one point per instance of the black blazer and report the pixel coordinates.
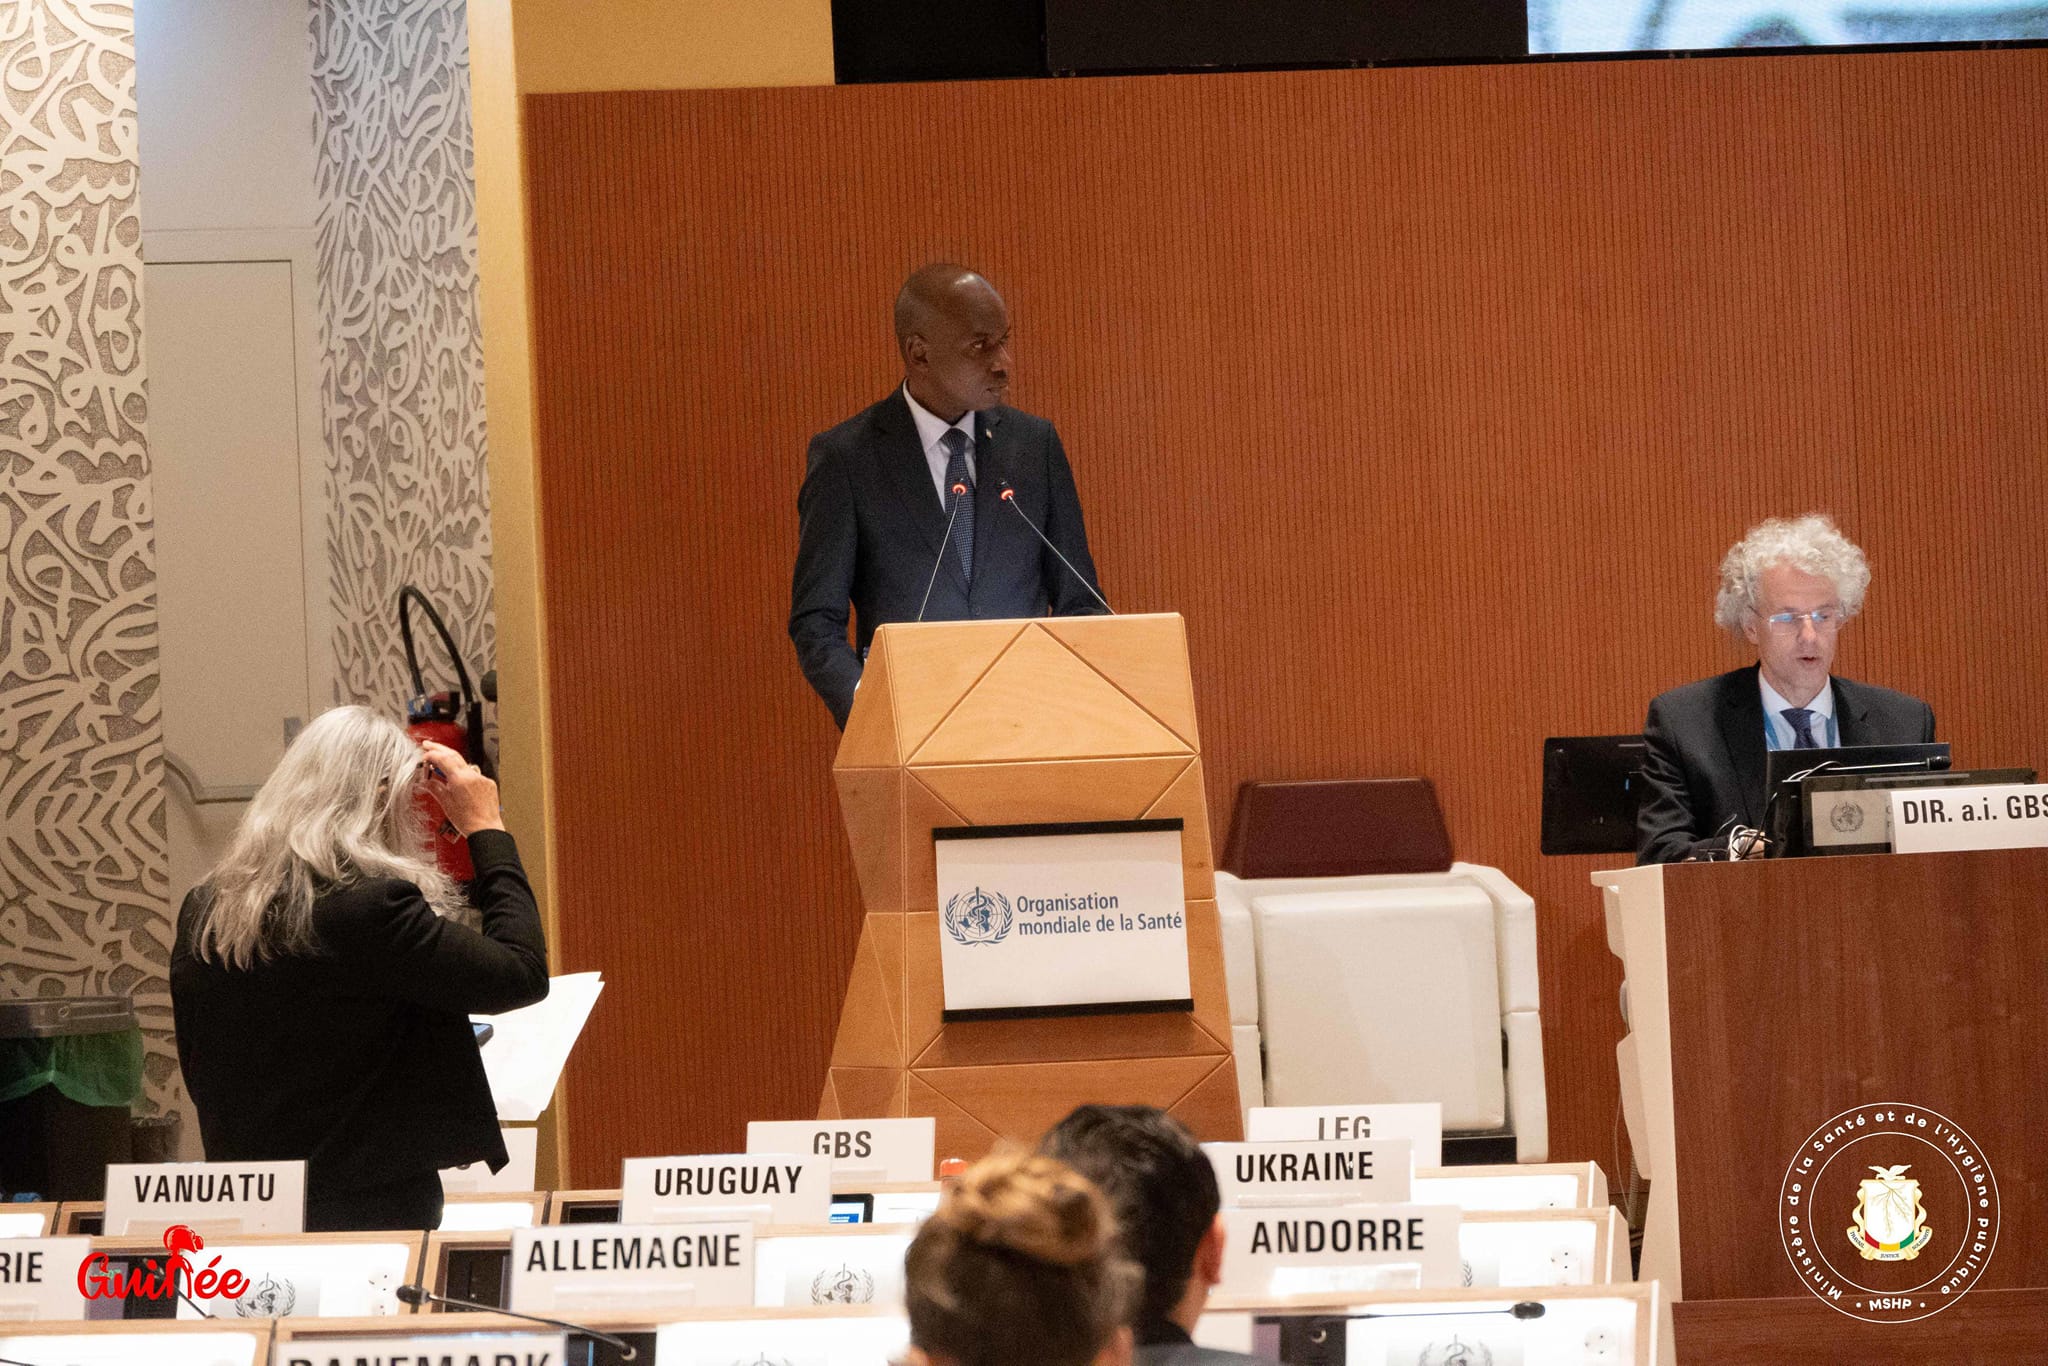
(1705, 761)
(871, 526)
(360, 1059)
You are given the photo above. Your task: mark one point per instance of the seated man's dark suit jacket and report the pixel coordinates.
(871, 526)
(1705, 761)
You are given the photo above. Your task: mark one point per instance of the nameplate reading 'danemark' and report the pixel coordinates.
(884, 1151)
(1420, 1122)
(39, 1278)
(761, 1188)
(1340, 1248)
(242, 1197)
(1940, 820)
(1263, 1175)
(427, 1349)
(569, 1269)
(83, 1348)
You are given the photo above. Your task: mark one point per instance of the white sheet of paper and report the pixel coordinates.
(529, 1047)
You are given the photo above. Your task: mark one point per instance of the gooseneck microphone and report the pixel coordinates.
(1009, 495)
(959, 496)
(419, 1295)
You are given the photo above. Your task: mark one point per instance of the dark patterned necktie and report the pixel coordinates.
(955, 442)
(1802, 738)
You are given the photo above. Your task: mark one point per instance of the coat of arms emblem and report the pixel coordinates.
(1890, 1221)
(978, 917)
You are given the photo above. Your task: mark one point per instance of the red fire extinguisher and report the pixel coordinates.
(454, 719)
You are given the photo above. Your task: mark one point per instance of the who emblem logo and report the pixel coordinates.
(978, 917)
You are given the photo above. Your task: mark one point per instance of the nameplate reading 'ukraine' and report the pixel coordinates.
(248, 1197)
(1268, 1251)
(596, 1268)
(1261, 1175)
(1939, 820)
(885, 1151)
(1421, 1123)
(1046, 919)
(764, 1188)
(39, 1278)
(427, 1349)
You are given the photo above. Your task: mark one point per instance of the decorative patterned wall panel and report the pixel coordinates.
(82, 865)
(402, 378)
(1430, 397)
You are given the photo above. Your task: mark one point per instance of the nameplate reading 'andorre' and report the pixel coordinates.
(1062, 919)
(1259, 1243)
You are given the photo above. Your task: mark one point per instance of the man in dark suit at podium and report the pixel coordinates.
(902, 512)
(1788, 588)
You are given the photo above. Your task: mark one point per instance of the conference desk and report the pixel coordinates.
(1769, 1000)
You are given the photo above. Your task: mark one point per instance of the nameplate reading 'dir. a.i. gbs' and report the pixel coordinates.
(1941, 820)
(1420, 1122)
(237, 1197)
(426, 1349)
(1251, 1175)
(760, 1188)
(566, 1270)
(885, 1151)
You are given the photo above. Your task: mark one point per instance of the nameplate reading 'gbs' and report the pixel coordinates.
(427, 1349)
(1076, 919)
(1940, 820)
(246, 1197)
(1262, 1175)
(879, 1150)
(764, 1188)
(39, 1278)
(568, 1269)
(1268, 1251)
(1420, 1122)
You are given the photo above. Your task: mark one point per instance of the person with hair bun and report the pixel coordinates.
(322, 992)
(1020, 1266)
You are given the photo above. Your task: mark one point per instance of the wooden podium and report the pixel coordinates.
(1014, 723)
(1767, 998)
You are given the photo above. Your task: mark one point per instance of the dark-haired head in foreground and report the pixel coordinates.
(1019, 1266)
(1163, 1190)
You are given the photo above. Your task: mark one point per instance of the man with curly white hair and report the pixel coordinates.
(1788, 588)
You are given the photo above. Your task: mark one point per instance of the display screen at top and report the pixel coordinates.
(1693, 25)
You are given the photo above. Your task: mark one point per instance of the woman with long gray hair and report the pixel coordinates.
(321, 990)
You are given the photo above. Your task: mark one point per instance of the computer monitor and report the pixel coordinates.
(1785, 772)
(1591, 787)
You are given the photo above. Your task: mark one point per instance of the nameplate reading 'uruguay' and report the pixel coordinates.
(1935, 820)
(764, 1188)
(39, 1278)
(568, 1269)
(1265, 1250)
(1419, 1122)
(252, 1197)
(1262, 1175)
(880, 1150)
(427, 1349)
(1062, 919)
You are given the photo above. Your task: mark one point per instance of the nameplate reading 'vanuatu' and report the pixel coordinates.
(1062, 919)
(247, 1197)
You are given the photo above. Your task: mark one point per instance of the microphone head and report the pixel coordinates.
(959, 490)
(1527, 1309)
(411, 1294)
(1008, 495)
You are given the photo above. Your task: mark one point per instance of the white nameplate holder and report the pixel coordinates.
(1421, 1123)
(760, 1188)
(39, 1278)
(1340, 1249)
(489, 1349)
(1325, 1172)
(209, 1197)
(1067, 919)
(1940, 820)
(570, 1269)
(228, 1347)
(883, 1151)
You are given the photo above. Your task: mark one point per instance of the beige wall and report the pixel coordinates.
(520, 47)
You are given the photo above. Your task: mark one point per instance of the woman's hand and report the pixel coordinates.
(468, 799)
